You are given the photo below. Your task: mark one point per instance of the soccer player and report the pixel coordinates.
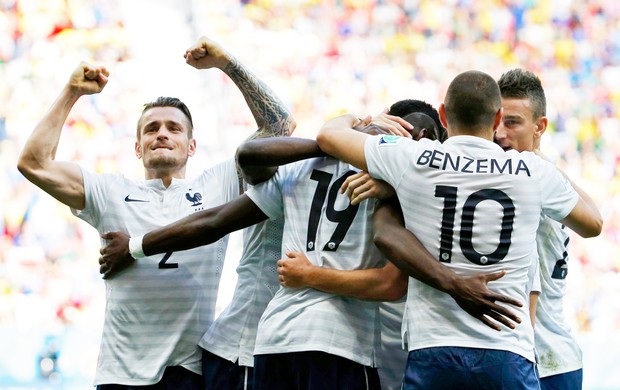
(207, 226)
(157, 309)
(523, 124)
(480, 213)
(297, 272)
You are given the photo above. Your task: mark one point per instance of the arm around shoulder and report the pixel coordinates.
(259, 158)
(338, 139)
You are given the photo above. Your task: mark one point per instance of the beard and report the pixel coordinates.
(159, 161)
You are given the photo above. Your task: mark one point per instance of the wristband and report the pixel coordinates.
(135, 247)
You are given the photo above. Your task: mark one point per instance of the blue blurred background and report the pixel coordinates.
(323, 58)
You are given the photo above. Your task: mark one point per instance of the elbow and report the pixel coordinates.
(243, 155)
(25, 167)
(381, 238)
(396, 292)
(595, 229)
(323, 140)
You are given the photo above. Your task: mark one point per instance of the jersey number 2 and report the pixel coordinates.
(163, 262)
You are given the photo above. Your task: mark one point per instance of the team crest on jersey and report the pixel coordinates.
(389, 139)
(195, 199)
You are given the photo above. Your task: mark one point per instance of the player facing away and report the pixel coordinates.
(156, 309)
(480, 214)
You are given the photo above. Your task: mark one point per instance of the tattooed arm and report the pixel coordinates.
(272, 117)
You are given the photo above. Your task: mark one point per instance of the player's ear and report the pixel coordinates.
(442, 115)
(138, 150)
(498, 118)
(191, 148)
(423, 133)
(541, 126)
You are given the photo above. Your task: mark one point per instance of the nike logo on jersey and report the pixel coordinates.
(128, 199)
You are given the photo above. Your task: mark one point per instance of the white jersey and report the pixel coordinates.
(533, 275)
(157, 309)
(557, 349)
(477, 209)
(321, 222)
(233, 334)
(393, 355)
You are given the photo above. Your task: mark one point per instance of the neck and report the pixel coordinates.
(481, 133)
(165, 176)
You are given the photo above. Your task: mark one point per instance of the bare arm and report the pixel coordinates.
(339, 139)
(585, 218)
(37, 162)
(404, 249)
(271, 115)
(533, 303)
(256, 155)
(270, 153)
(198, 229)
(381, 284)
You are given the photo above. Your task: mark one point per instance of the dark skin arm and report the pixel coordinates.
(260, 158)
(202, 228)
(402, 248)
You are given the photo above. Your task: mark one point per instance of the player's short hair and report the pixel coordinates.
(472, 101)
(522, 84)
(164, 101)
(403, 108)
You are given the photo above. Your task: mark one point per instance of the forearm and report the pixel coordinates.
(40, 148)
(259, 158)
(61, 179)
(271, 115)
(203, 227)
(365, 284)
(276, 152)
(190, 232)
(404, 249)
(338, 139)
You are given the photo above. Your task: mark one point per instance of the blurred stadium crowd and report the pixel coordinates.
(323, 58)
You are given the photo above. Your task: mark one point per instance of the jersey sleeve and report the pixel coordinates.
(268, 195)
(558, 195)
(226, 172)
(386, 156)
(95, 193)
(533, 274)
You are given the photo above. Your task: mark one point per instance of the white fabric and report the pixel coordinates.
(156, 314)
(393, 355)
(435, 181)
(558, 351)
(533, 275)
(135, 247)
(296, 320)
(233, 334)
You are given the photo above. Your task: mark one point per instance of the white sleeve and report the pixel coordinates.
(533, 274)
(558, 195)
(226, 172)
(387, 156)
(268, 195)
(96, 196)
